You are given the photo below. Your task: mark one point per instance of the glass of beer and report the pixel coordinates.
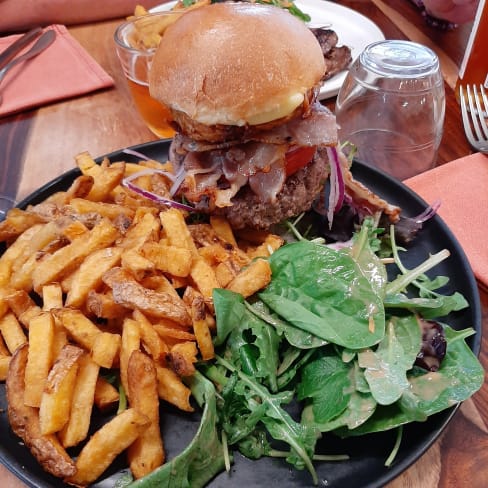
(136, 42)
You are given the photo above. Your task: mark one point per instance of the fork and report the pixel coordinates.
(474, 108)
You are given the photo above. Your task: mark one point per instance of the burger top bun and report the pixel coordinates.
(236, 64)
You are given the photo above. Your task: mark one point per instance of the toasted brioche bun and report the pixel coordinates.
(236, 64)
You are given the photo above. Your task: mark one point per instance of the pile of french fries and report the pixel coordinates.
(97, 280)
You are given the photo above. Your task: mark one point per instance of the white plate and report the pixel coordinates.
(354, 30)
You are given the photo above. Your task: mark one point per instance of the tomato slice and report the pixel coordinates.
(298, 157)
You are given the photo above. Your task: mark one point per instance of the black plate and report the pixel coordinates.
(367, 454)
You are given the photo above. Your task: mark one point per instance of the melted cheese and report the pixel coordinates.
(277, 112)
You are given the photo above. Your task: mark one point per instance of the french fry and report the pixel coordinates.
(172, 390)
(105, 349)
(89, 275)
(24, 421)
(52, 296)
(270, 244)
(146, 453)
(17, 222)
(106, 396)
(82, 401)
(14, 251)
(23, 306)
(167, 331)
(176, 230)
(251, 279)
(107, 210)
(70, 256)
(4, 364)
(105, 182)
(54, 409)
(74, 230)
(170, 259)
(200, 328)
(204, 278)
(146, 228)
(102, 305)
(106, 444)
(150, 337)
(129, 293)
(3, 348)
(12, 332)
(103, 346)
(40, 357)
(223, 229)
(131, 341)
(182, 358)
(137, 264)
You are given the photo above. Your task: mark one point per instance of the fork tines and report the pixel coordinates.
(474, 108)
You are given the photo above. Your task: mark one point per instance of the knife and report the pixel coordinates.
(18, 45)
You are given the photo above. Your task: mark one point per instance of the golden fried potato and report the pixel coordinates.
(151, 340)
(182, 358)
(87, 334)
(12, 332)
(146, 453)
(69, 257)
(172, 389)
(106, 396)
(131, 294)
(170, 259)
(252, 278)
(131, 341)
(55, 406)
(76, 429)
(106, 444)
(24, 421)
(40, 357)
(89, 275)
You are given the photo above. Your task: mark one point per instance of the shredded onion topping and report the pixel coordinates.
(336, 190)
(128, 183)
(428, 213)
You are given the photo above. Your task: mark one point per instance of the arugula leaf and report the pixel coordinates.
(203, 458)
(429, 307)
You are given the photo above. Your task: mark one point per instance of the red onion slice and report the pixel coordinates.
(336, 179)
(428, 213)
(127, 182)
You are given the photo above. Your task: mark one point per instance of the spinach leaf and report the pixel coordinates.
(323, 291)
(386, 367)
(459, 377)
(298, 338)
(203, 458)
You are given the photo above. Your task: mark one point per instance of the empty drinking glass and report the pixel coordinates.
(391, 107)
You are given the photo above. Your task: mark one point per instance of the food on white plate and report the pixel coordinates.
(252, 142)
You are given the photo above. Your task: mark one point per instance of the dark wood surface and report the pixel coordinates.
(37, 146)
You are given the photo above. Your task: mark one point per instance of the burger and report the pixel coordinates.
(241, 81)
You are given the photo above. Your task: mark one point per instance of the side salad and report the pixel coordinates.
(332, 345)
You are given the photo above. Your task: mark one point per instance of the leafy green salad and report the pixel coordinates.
(351, 350)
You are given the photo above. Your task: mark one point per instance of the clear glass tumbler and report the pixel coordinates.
(391, 107)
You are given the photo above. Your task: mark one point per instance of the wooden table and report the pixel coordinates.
(39, 145)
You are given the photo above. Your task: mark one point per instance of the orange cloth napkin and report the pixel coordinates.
(462, 188)
(62, 71)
